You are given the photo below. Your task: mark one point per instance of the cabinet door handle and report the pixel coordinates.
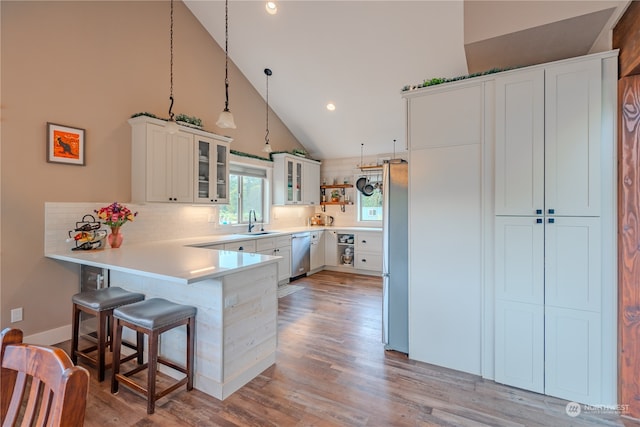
(539, 221)
(551, 220)
(538, 211)
(364, 260)
(552, 211)
(364, 241)
(241, 248)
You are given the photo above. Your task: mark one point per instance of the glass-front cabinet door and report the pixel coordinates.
(212, 167)
(294, 182)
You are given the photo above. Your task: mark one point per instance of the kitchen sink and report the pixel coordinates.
(258, 233)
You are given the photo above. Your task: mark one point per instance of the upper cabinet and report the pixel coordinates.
(190, 166)
(296, 180)
(548, 139)
(212, 166)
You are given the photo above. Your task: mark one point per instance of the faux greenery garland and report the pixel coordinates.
(439, 80)
(192, 120)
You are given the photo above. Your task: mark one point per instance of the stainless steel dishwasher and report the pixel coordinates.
(300, 254)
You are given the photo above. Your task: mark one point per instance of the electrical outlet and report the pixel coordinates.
(230, 301)
(16, 315)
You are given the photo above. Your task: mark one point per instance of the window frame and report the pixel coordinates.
(266, 193)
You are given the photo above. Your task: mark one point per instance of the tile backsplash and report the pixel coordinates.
(158, 221)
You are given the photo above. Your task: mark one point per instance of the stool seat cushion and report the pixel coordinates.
(106, 298)
(154, 313)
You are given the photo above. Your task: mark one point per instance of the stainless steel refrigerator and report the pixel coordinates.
(395, 264)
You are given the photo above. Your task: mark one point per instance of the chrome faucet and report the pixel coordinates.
(252, 211)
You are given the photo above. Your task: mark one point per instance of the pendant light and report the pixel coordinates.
(225, 120)
(267, 146)
(171, 126)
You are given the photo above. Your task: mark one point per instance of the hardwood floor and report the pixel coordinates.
(332, 370)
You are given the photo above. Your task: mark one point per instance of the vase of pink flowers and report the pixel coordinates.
(115, 216)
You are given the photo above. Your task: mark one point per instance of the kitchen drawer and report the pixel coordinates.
(369, 261)
(282, 241)
(218, 246)
(369, 242)
(265, 244)
(245, 245)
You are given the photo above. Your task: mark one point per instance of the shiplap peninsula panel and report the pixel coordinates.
(236, 324)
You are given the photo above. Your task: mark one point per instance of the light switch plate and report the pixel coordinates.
(16, 315)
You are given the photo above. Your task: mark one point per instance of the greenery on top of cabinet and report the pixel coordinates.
(439, 80)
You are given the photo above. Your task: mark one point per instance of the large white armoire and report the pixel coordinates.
(512, 221)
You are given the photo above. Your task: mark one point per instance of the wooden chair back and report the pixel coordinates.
(40, 385)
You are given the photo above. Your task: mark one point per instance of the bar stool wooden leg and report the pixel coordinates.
(153, 368)
(75, 322)
(191, 328)
(115, 365)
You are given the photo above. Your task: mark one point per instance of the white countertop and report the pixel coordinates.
(182, 261)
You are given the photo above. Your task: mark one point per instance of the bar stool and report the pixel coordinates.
(153, 317)
(101, 303)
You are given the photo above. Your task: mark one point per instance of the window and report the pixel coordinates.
(246, 193)
(370, 207)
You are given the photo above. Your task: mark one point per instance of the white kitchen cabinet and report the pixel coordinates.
(244, 245)
(549, 254)
(331, 248)
(519, 356)
(296, 181)
(212, 168)
(573, 135)
(368, 251)
(277, 246)
(311, 183)
(519, 143)
(169, 167)
(492, 160)
(169, 160)
(317, 257)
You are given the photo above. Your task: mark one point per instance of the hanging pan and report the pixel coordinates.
(368, 189)
(361, 182)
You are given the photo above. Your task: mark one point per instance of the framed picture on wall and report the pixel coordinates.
(65, 144)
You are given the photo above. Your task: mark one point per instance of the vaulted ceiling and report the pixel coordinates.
(359, 54)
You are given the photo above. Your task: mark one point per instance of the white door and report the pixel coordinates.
(311, 183)
(519, 158)
(573, 117)
(331, 248)
(573, 355)
(519, 345)
(519, 259)
(573, 251)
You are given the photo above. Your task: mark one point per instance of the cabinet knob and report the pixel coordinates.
(552, 211)
(551, 220)
(538, 211)
(364, 260)
(364, 241)
(539, 221)
(241, 248)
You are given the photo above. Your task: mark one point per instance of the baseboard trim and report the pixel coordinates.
(50, 337)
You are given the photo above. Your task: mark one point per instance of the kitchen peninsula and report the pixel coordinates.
(234, 292)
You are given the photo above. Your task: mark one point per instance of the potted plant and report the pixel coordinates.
(335, 196)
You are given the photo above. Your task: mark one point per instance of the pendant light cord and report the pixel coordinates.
(266, 135)
(226, 55)
(171, 65)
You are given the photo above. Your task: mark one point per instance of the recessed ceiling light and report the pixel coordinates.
(331, 107)
(271, 7)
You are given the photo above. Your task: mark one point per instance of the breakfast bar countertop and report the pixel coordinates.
(169, 260)
(184, 260)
